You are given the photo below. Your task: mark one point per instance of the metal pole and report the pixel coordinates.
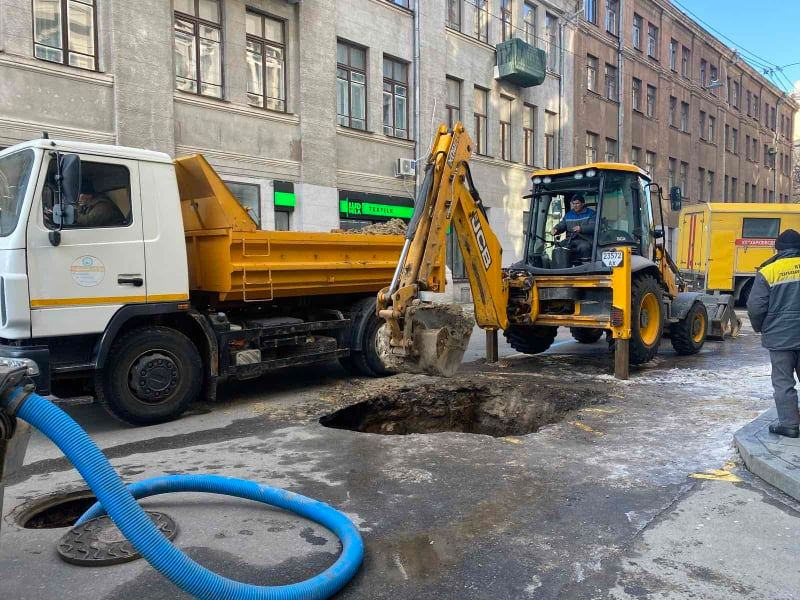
(622, 358)
(491, 346)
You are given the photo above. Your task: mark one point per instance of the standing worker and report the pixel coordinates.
(774, 310)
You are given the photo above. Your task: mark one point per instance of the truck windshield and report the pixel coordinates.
(15, 174)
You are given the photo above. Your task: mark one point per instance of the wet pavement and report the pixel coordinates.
(637, 492)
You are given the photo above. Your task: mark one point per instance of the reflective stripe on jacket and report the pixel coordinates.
(774, 302)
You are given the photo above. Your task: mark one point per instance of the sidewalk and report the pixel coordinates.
(774, 458)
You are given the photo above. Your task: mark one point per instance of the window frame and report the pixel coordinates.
(267, 42)
(481, 121)
(251, 184)
(590, 11)
(652, 101)
(591, 65)
(636, 94)
(528, 8)
(591, 148)
(611, 82)
(636, 31)
(550, 142)
(196, 23)
(455, 25)
(64, 49)
(449, 107)
(506, 20)
(350, 69)
(652, 41)
(529, 134)
(748, 235)
(612, 17)
(393, 82)
(481, 8)
(506, 139)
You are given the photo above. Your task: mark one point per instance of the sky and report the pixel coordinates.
(767, 28)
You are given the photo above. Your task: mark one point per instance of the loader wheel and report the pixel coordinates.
(585, 335)
(151, 376)
(532, 339)
(647, 319)
(689, 334)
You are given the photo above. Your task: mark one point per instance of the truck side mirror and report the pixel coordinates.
(68, 180)
(675, 198)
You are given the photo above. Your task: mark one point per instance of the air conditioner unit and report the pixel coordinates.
(406, 167)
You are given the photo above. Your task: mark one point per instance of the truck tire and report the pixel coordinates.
(533, 339)
(585, 335)
(689, 334)
(151, 376)
(744, 294)
(647, 319)
(367, 361)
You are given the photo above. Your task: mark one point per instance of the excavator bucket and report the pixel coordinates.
(438, 335)
(723, 320)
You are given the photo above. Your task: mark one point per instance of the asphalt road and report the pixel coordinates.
(636, 494)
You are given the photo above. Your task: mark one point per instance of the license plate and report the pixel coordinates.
(612, 258)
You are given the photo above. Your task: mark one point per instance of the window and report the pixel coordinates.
(672, 173)
(714, 78)
(748, 100)
(453, 101)
(772, 117)
(766, 114)
(710, 185)
(734, 189)
(198, 47)
(104, 201)
(754, 152)
(283, 219)
(746, 191)
(727, 137)
(590, 10)
(454, 14)
(591, 72)
(673, 55)
(712, 129)
(703, 68)
(636, 93)
(651, 101)
(611, 150)
(529, 18)
(753, 193)
(351, 86)
(64, 31)
(736, 94)
(735, 140)
(506, 19)
(760, 228)
(284, 200)
(505, 127)
(650, 163)
(529, 133)
(652, 40)
(702, 125)
(766, 155)
(266, 62)
(684, 116)
(636, 156)
(637, 31)
(730, 90)
(701, 184)
(683, 177)
(551, 34)
(403, 3)
(673, 109)
(686, 58)
(550, 126)
(481, 30)
(480, 114)
(611, 82)
(249, 197)
(612, 16)
(747, 147)
(395, 98)
(591, 147)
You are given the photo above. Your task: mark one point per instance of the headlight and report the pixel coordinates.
(578, 176)
(547, 180)
(537, 180)
(591, 173)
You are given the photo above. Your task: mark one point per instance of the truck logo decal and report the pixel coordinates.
(87, 271)
(760, 242)
(481, 238)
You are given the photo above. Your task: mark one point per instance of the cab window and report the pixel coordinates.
(104, 200)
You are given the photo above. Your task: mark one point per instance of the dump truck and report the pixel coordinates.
(143, 281)
(626, 286)
(722, 244)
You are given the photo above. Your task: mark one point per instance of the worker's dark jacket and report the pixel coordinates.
(774, 302)
(99, 211)
(585, 220)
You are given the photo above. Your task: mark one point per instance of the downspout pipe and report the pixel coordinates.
(417, 79)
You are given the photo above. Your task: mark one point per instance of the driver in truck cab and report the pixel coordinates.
(578, 223)
(96, 210)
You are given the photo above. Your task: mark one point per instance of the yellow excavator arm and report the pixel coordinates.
(423, 336)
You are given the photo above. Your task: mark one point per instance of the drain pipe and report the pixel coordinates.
(417, 95)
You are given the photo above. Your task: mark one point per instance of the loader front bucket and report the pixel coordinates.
(723, 320)
(438, 335)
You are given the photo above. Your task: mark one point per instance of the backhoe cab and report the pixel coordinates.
(608, 275)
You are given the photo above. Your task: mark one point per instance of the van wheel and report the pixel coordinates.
(647, 319)
(151, 376)
(689, 334)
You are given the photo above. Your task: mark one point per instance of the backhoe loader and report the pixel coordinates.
(625, 286)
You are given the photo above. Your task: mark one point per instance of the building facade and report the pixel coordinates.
(658, 90)
(304, 107)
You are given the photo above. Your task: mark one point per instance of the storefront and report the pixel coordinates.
(357, 209)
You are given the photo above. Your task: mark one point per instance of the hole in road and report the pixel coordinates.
(56, 511)
(495, 410)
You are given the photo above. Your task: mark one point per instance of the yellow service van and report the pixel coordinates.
(722, 244)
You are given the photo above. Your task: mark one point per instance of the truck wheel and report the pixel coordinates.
(585, 335)
(367, 361)
(689, 334)
(532, 339)
(744, 294)
(151, 376)
(647, 319)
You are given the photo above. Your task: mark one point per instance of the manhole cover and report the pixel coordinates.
(98, 542)
(497, 409)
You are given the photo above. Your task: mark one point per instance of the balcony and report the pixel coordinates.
(520, 63)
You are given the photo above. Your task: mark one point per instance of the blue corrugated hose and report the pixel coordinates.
(118, 501)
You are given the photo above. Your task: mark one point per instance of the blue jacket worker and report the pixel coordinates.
(774, 310)
(578, 223)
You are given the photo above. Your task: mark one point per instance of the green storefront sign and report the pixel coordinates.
(372, 207)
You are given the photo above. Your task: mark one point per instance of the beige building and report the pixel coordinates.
(658, 90)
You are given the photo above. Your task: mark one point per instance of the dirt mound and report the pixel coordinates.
(391, 227)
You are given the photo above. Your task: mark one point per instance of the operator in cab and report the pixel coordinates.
(96, 210)
(578, 224)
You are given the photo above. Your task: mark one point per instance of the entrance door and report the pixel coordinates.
(99, 266)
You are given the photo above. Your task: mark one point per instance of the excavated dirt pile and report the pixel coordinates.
(391, 227)
(484, 404)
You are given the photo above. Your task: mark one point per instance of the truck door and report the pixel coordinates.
(99, 265)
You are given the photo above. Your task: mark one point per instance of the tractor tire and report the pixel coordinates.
(647, 319)
(689, 334)
(533, 339)
(152, 375)
(744, 294)
(367, 361)
(584, 335)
